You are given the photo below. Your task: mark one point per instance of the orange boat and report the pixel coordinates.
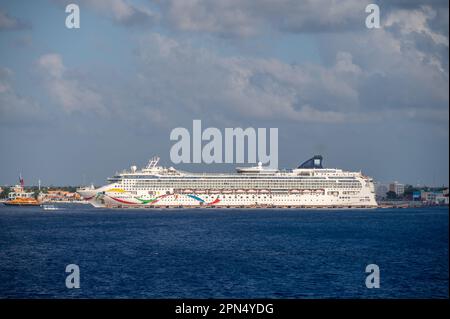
(18, 197)
(22, 201)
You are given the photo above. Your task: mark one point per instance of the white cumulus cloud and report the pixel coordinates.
(68, 92)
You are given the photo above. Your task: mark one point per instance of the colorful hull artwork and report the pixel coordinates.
(141, 201)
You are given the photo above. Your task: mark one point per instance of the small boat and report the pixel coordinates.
(49, 207)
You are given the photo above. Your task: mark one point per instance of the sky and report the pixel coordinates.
(77, 105)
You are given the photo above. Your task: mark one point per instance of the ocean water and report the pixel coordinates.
(212, 253)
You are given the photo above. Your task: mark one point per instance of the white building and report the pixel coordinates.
(397, 188)
(438, 198)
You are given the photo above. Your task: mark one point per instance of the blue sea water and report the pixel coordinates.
(212, 253)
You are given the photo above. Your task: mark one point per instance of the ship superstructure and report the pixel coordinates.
(307, 186)
(19, 197)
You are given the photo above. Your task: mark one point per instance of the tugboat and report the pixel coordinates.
(18, 197)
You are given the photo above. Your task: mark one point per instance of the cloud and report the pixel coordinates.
(413, 31)
(231, 18)
(11, 23)
(121, 12)
(15, 108)
(201, 83)
(247, 18)
(416, 21)
(52, 64)
(377, 81)
(67, 91)
(399, 71)
(406, 60)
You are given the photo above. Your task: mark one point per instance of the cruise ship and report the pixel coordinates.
(310, 185)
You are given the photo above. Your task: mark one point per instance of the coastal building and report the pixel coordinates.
(381, 191)
(397, 188)
(59, 196)
(441, 199)
(435, 197)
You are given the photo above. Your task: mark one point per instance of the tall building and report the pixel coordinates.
(397, 188)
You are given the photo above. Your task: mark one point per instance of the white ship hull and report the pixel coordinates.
(123, 200)
(250, 188)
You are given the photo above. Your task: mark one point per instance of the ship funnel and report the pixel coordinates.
(314, 162)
